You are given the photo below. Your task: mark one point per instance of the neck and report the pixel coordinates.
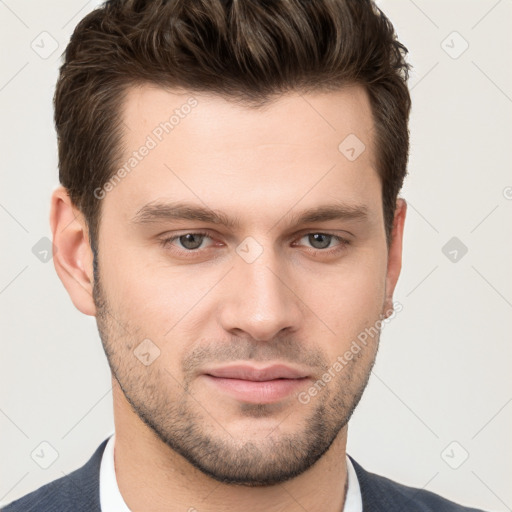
(152, 476)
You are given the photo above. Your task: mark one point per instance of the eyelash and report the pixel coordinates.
(192, 252)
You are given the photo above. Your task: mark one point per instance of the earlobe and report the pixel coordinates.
(395, 254)
(73, 258)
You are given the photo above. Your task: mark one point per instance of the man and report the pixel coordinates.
(229, 212)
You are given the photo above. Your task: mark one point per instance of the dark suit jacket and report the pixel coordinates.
(79, 492)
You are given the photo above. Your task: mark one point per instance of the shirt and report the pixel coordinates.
(112, 501)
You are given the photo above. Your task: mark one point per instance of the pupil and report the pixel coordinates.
(189, 241)
(314, 238)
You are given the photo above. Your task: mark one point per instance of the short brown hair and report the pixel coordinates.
(246, 50)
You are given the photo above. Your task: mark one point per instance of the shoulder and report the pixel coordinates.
(382, 494)
(74, 492)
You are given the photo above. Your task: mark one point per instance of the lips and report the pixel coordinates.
(249, 384)
(250, 373)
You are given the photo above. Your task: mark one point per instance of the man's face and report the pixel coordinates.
(264, 291)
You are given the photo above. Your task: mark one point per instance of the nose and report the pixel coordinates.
(261, 300)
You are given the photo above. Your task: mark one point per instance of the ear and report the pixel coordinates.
(73, 257)
(395, 255)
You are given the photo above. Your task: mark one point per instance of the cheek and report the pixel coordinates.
(151, 296)
(348, 299)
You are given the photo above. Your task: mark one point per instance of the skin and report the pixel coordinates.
(181, 442)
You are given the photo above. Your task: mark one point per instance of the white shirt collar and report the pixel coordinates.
(110, 496)
(112, 501)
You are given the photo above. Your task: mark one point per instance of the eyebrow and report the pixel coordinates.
(155, 212)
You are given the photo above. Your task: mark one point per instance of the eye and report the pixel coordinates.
(188, 241)
(191, 243)
(321, 242)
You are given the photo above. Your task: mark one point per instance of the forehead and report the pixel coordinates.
(292, 117)
(299, 149)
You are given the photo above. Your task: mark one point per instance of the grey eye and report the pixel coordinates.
(191, 241)
(320, 240)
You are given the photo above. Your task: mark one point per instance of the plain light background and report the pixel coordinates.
(437, 413)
